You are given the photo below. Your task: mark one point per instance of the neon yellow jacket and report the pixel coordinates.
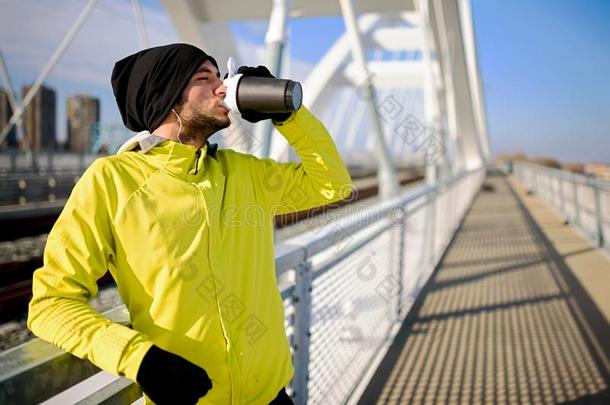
(190, 244)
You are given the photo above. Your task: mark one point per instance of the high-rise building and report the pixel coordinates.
(5, 115)
(83, 112)
(39, 119)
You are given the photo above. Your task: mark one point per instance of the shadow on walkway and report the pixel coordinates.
(502, 320)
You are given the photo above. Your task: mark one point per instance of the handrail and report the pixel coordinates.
(37, 370)
(340, 228)
(568, 197)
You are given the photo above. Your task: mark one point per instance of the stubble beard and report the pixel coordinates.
(198, 126)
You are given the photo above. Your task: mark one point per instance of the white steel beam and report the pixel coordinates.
(275, 41)
(231, 10)
(394, 39)
(325, 72)
(326, 69)
(13, 102)
(397, 142)
(341, 114)
(140, 26)
(388, 180)
(358, 118)
(431, 109)
(195, 27)
(474, 76)
(392, 74)
(446, 53)
(460, 100)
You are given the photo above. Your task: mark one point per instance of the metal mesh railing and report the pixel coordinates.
(357, 279)
(583, 201)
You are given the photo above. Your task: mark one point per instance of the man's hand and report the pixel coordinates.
(167, 378)
(253, 116)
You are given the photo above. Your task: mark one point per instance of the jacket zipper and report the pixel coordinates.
(197, 154)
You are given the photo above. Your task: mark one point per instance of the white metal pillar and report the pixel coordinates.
(275, 41)
(140, 26)
(323, 73)
(472, 66)
(431, 110)
(388, 180)
(196, 27)
(452, 140)
(13, 102)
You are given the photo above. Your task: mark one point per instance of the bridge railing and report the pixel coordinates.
(583, 201)
(346, 286)
(356, 280)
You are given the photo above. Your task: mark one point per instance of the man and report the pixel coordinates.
(187, 233)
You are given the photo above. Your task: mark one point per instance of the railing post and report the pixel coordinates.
(576, 203)
(562, 200)
(548, 181)
(302, 322)
(519, 173)
(432, 219)
(598, 213)
(546, 186)
(402, 223)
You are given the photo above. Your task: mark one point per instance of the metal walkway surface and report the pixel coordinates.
(502, 320)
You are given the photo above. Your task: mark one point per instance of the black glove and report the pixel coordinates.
(282, 398)
(254, 116)
(167, 378)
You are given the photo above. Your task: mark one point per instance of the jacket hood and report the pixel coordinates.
(173, 157)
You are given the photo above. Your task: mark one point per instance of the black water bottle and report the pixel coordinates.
(268, 95)
(262, 94)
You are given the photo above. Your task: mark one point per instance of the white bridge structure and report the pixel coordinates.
(401, 85)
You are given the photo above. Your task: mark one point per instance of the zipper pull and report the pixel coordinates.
(197, 154)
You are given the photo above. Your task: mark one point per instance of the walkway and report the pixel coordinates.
(517, 312)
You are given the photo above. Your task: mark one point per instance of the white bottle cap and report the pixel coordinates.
(231, 83)
(231, 66)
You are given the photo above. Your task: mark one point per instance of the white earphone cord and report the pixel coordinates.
(180, 125)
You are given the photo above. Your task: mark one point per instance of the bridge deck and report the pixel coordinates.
(517, 312)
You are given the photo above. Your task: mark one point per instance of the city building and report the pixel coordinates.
(39, 119)
(5, 115)
(82, 113)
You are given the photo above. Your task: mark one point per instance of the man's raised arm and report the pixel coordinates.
(320, 179)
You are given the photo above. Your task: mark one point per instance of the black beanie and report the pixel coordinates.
(149, 83)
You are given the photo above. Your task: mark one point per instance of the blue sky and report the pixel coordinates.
(546, 76)
(545, 64)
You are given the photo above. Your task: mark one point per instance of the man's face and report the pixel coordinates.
(202, 110)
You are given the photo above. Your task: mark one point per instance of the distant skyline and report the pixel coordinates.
(108, 35)
(544, 64)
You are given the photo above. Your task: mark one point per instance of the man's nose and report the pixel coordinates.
(221, 90)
